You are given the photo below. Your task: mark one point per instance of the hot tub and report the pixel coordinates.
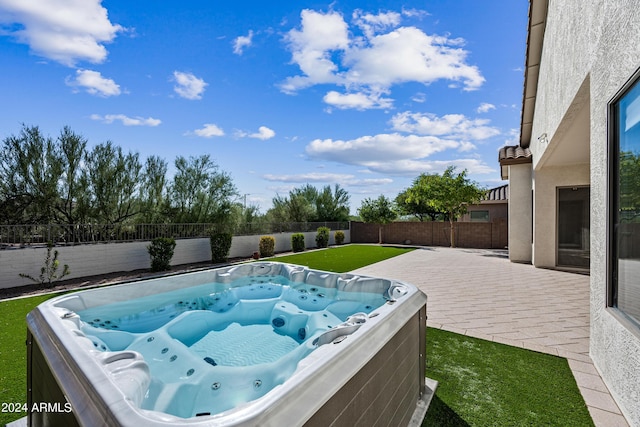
(266, 344)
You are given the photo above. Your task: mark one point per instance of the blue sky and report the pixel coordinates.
(366, 94)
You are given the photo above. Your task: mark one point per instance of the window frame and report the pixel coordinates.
(612, 197)
(488, 216)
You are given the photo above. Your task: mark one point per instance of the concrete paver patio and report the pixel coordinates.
(481, 293)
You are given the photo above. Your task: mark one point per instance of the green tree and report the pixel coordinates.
(449, 192)
(200, 192)
(418, 207)
(308, 204)
(71, 154)
(377, 211)
(332, 205)
(113, 179)
(29, 175)
(298, 206)
(153, 191)
(246, 218)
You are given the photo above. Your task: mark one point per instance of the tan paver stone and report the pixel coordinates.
(585, 367)
(540, 348)
(516, 334)
(579, 347)
(551, 341)
(606, 419)
(581, 357)
(599, 400)
(590, 381)
(507, 341)
(492, 298)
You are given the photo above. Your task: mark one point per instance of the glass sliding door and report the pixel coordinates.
(573, 227)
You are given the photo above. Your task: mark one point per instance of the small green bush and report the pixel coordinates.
(49, 270)
(338, 236)
(322, 237)
(161, 252)
(267, 246)
(220, 246)
(297, 242)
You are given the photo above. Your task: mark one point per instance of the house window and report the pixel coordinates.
(479, 216)
(624, 211)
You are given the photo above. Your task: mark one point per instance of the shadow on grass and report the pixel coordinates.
(441, 415)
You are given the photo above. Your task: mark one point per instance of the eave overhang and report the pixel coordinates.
(535, 35)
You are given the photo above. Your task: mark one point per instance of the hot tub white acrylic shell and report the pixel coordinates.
(376, 373)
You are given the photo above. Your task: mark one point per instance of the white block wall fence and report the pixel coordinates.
(104, 258)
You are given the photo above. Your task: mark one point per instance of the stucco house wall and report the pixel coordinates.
(520, 213)
(591, 48)
(615, 348)
(564, 66)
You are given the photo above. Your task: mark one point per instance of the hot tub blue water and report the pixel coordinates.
(215, 346)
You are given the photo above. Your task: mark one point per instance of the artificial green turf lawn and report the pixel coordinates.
(13, 352)
(342, 258)
(482, 383)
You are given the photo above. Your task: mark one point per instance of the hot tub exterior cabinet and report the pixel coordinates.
(385, 391)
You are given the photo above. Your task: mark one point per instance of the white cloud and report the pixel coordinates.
(239, 43)
(311, 48)
(371, 24)
(369, 182)
(378, 148)
(455, 126)
(409, 55)
(415, 13)
(485, 107)
(209, 130)
(419, 98)
(327, 52)
(400, 154)
(358, 101)
(466, 146)
(308, 177)
(513, 137)
(94, 83)
(412, 167)
(188, 86)
(127, 121)
(263, 133)
(328, 178)
(65, 31)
